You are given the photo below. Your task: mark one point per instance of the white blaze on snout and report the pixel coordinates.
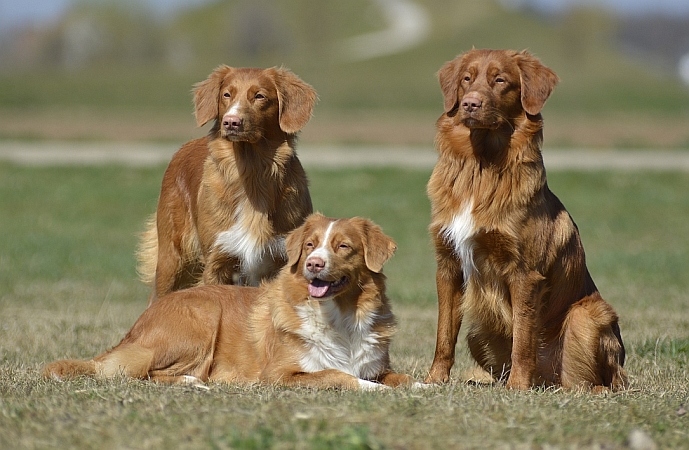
(322, 251)
(459, 234)
(233, 110)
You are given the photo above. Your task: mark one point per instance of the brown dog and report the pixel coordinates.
(228, 199)
(323, 322)
(509, 255)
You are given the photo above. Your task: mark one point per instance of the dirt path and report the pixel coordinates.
(143, 154)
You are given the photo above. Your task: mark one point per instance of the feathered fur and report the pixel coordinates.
(509, 255)
(228, 199)
(324, 325)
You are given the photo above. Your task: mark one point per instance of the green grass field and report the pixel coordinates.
(68, 288)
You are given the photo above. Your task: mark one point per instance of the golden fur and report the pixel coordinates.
(509, 256)
(323, 322)
(228, 199)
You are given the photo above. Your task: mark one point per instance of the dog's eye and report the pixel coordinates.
(344, 246)
(259, 96)
(467, 78)
(226, 95)
(499, 80)
(309, 245)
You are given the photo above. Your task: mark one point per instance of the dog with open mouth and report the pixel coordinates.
(324, 322)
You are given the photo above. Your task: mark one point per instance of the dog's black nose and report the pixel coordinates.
(315, 264)
(231, 122)
(471, 103)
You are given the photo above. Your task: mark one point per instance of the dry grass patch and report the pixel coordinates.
(68, 288)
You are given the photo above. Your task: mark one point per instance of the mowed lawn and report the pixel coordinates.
(69, 289)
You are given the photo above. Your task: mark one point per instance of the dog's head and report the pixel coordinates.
(334, 255)
(488, 88)
(248, 103)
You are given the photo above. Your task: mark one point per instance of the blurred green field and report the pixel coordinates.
(68, 288)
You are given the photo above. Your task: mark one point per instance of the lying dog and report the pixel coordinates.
(509, 255)
(323, 322)
(228, 199)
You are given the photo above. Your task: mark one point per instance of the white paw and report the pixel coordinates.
(417, 385)
(195, 382)
(366, 385)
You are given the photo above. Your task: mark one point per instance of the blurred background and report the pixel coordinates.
(122, 70)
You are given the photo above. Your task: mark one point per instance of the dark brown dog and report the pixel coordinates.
(228, 199)
(509, 255)
(323, 322)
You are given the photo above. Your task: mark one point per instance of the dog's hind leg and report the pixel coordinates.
(592, 352)
(130, 359)
(492, 351)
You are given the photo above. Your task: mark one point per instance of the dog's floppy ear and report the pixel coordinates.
(448, 76)
(378, 247)
(537, 82)
(206, 95)
(294, 243)
(296, 99)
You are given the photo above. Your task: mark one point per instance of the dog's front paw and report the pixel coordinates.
(437, 376)
(366, 385)
(518, 384)
(194, 382)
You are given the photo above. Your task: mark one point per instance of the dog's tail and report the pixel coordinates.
(147, 253)
(593, 352)
(69, 368)
(130, 360)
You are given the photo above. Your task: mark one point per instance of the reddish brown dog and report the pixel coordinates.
(228, 199)
(509, 256)
(323, 322)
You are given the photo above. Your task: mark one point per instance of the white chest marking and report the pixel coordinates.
(339, 342)
(256, 256)
(460, 235)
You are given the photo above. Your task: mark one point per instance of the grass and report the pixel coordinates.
(68, 288)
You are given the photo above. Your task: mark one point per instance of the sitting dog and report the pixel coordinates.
(323, 322)
(509, 256)
(228, 199)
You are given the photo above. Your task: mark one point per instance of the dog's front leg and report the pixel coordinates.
(325, 379)
(450, 285)
(525, 293)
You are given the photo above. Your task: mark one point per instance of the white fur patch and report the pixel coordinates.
(322, 250)
(339, 342)
(234, 109)
(255, 257)
(366, 385)
(459, 234)
(195, 382)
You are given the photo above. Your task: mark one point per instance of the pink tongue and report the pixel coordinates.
(318, 288)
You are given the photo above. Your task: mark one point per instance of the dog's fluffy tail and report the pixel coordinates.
(147, 253)
(593, 352)
(68, 369)
(130, 360)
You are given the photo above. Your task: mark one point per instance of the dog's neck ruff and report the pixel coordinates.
(459, 235)
(334, 340)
